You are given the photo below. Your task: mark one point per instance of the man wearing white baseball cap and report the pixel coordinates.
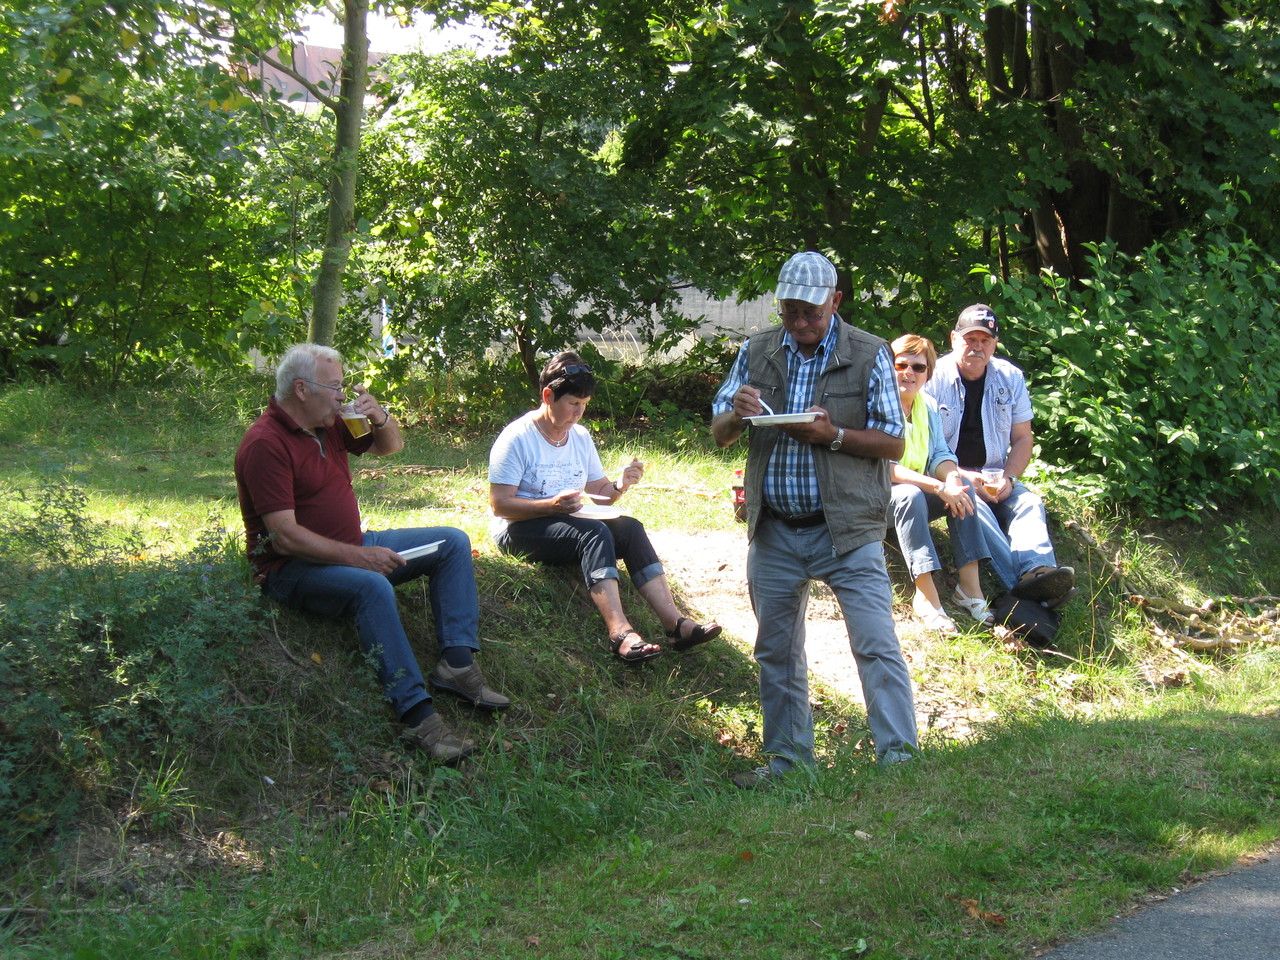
(817, 507)
(985, 409)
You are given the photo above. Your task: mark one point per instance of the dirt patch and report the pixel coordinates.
(709, 572)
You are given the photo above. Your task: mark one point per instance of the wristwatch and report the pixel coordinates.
(838, 442)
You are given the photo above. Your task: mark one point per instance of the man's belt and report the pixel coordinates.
(798, 523)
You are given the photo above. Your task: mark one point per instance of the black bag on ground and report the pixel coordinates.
(1029, 620)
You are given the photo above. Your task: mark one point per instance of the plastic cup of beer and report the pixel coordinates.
(357, 423)
(993, 480)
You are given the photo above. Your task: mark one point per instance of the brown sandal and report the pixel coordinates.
(637, 652)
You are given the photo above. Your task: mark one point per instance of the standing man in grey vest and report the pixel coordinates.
(817, 503)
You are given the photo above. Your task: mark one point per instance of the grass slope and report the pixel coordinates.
(224, 781)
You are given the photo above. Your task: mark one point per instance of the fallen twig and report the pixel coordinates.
(1113, 566)
(1161, 605)
(641, 488)
(412, 469)
(1197, 629)
(292, 659)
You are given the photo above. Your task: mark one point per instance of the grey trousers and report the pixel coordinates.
(781, 562)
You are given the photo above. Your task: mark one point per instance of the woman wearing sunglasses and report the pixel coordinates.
(927, 484)
(553, 503)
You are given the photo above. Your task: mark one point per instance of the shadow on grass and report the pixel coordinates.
(1044, 827)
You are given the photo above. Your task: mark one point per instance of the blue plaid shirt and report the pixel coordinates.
(791, 478)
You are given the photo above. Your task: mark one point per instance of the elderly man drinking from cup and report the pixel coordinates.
(302, 524)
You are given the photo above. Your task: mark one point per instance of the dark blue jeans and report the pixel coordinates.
(597, 545)
(370, 597)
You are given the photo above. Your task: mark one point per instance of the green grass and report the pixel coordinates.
(225, 782)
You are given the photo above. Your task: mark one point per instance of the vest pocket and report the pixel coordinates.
(848, 408)
(771, 394)
(843, 395)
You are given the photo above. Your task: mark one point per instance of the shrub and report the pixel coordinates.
(1146, 379)
(480, 395)
(106, 649)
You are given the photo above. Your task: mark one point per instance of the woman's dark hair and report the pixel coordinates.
(566, 373)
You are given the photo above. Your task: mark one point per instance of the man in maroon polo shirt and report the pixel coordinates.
(302, 526)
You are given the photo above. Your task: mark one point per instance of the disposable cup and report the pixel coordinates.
(357, 423)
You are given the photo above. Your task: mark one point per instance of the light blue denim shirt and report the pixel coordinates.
(1005, 401)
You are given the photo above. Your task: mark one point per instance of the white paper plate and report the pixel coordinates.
(776, 419)
(598, 511)
(422, 551)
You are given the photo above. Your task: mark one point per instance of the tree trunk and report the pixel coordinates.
(327, 295)
(999, 24)
(528, 352)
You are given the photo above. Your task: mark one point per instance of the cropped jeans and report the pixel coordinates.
(781, 563)
(332, 590)
(595, 545)
(913, 508)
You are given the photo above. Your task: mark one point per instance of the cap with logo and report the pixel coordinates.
(978, 317)
(807, 276)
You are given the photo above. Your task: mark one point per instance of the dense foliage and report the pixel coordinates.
(162, 209)
(518, 225)
(913, 140)
(153, 213)
(1147, 382)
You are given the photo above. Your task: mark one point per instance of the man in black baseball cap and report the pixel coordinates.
(986, 418)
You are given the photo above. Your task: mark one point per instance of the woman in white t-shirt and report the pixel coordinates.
(545, 479)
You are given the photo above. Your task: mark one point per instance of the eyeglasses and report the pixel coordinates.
(336, 388)
(795, 316)
(917, 367)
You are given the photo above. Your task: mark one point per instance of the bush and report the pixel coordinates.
(106, 649)
(480, 395)
(1146, 380)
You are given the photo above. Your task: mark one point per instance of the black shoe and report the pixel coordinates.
(1045, 585)
(469, 684)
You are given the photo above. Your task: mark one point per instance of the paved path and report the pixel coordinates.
(1235, 917)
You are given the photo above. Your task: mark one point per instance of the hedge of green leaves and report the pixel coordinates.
(1153, 382)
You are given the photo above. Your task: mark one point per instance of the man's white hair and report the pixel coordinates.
(299, 363)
